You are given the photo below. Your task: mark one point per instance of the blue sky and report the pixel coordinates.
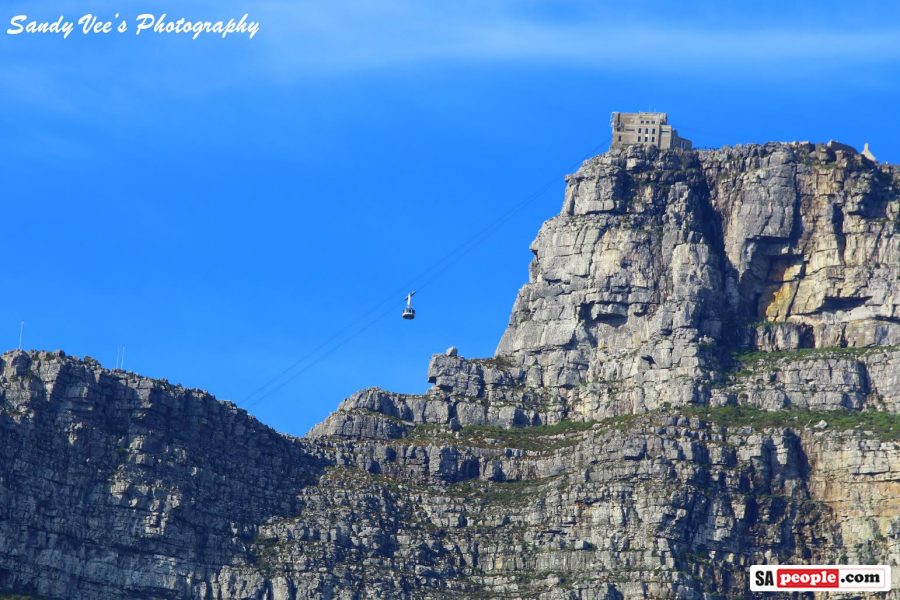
(223, 208)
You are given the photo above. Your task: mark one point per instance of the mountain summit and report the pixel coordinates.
(700, 375)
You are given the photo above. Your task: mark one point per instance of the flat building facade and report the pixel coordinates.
(647, 128)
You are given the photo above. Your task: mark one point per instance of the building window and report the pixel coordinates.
(653, 139)
(620, 138)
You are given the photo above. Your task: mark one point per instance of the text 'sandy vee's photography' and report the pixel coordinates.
(145, 23)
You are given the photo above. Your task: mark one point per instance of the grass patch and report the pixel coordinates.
(500, 493)
(365, 412)
(751, 359)
(560, 428)
(540, 437)
(884, 425)
(500, 362)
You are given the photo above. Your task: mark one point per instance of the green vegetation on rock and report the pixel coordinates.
(884, 425)
(752, 359)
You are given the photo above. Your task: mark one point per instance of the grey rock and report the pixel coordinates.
(660, 415)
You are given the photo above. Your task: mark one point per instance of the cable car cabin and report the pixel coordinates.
(409, 312)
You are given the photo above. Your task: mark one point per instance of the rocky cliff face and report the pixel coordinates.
(700, 375)
(659, 261)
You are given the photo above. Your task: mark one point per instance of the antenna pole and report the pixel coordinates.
(21, 331)
(123, 358)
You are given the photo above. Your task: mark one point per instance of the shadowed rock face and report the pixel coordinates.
(700, 375)
(96, 462)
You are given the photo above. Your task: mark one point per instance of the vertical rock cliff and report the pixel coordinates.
(700, 375)
(660, 261)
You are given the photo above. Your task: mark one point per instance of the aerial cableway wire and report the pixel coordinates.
(420, 281)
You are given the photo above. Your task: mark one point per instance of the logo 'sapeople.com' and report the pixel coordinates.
(812, 578)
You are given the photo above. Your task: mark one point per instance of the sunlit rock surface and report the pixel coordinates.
(700, 375)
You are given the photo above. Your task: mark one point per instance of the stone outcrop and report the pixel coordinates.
(660, 257)
(700, 375)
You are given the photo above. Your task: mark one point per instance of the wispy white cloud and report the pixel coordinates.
(334, 38)
(315, 39)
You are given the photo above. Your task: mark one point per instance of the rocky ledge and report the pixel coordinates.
(700, 375)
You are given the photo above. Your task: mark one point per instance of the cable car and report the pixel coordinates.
(409, 312)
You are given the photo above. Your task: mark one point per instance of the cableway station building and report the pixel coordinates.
(646, 128)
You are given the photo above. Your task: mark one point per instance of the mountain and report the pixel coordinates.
(700, 375)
